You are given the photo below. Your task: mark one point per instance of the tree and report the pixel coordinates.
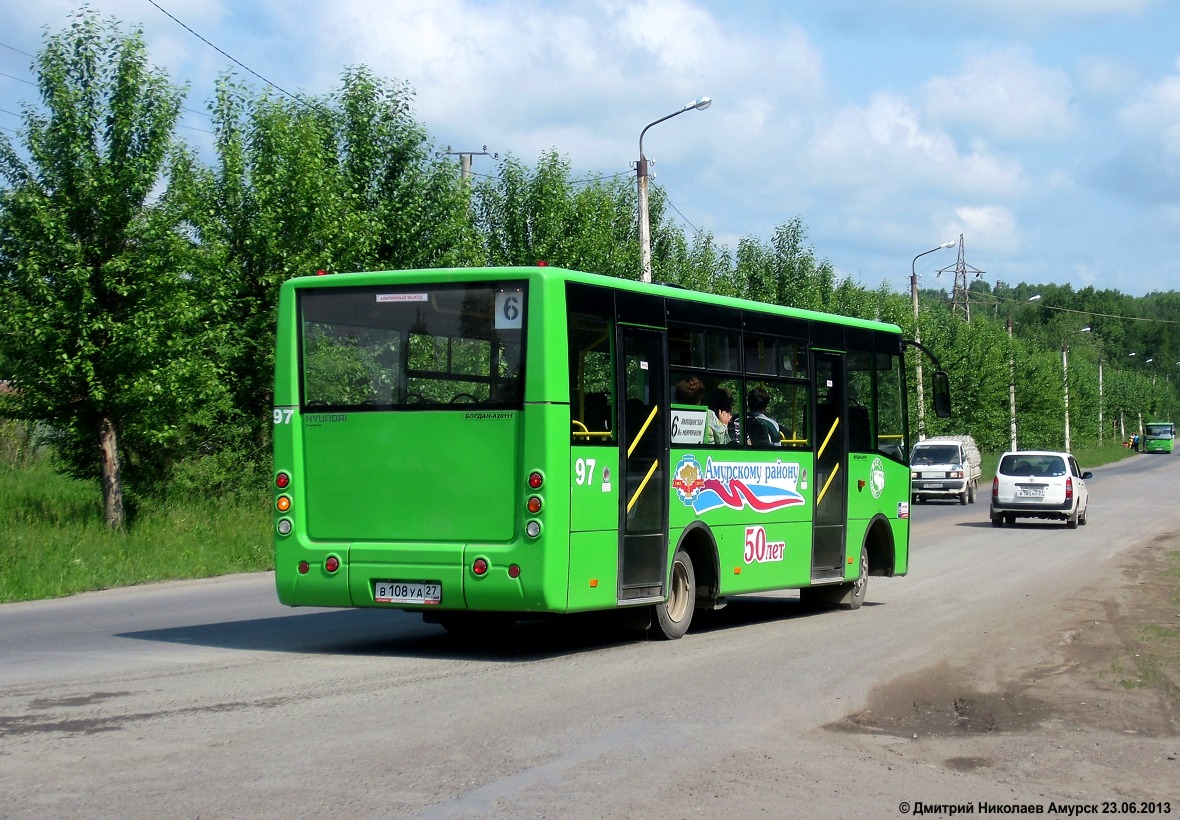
(526, 216)
(340, 183)
(98, 316)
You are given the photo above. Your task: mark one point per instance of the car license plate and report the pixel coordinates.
(407, 592)
(1030, 492)
(933, 486)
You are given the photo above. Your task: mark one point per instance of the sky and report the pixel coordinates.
(1042, 137)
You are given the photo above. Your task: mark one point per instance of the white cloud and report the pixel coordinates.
(991, 229)
(1005, 95)
(886, 145)
(1155, 113)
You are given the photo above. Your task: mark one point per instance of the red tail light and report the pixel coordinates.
(1068, 489)
(995, 488)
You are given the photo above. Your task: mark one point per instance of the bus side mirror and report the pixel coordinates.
(942, 394)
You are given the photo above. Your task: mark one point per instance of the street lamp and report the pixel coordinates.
(1012, 378)
(1065, 379)
(699, 104)
(918, 336)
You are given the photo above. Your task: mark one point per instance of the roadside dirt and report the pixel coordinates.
(1092, 711)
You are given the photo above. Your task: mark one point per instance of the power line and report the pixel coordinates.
(1113, 316)
(222, 52)
(17, 50)
(18, 79)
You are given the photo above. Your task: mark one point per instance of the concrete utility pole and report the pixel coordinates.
(699, 104)
(465, 159)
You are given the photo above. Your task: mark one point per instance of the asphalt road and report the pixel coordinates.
(208, 699)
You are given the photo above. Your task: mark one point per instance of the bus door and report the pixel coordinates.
(831, 466)
(643, 494)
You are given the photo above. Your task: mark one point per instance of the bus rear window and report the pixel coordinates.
(413, 347)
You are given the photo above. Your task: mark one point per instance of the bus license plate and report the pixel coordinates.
(407, 592)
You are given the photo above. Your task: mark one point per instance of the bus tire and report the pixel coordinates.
(673, 616)
(854, 593)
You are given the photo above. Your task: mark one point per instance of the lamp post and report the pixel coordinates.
(1065, 380)
(699, 104)
(918, 336)
(1012, 378)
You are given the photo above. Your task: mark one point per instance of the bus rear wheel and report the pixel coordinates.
(673, 616)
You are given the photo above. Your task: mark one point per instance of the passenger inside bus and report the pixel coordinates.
(761, 429)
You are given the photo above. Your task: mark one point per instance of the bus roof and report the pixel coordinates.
(545, 272)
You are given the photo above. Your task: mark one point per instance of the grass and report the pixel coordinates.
(54, 542)
(1156, 655)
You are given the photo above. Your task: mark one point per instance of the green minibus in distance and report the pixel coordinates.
(493, 444)
(1158, 436)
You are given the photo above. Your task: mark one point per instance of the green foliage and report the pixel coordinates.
(526, 217)
(101, 326)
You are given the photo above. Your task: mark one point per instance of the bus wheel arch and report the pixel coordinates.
(697, 540)
(692, 580)
(879, 547)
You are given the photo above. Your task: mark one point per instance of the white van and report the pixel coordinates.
(945, 467)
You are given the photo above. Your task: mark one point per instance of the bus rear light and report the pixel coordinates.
(304, 568)
(532, 529)
(283, 503)
(332, 563)
(284, 527)
(534, 504)
(479, 566)
(536, 480)
(513, 571)
(282, 480)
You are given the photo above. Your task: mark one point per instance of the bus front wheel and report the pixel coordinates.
(675, 614)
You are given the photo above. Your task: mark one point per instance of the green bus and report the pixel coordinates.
(487, 445)
(1158, 436)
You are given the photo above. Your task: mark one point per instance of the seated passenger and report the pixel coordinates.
(761, 429)
(719, 417)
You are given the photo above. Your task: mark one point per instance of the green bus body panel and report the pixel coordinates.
(594, 527)
(731, 516)
(877, 485)
(422, 476)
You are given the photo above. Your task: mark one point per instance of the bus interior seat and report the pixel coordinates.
(597, 409)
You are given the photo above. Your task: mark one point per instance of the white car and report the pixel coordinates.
(1039, 484)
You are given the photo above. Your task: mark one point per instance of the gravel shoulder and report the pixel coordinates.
(1090, 710)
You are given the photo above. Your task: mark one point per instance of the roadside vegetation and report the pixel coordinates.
(55, 542)
(139, 281)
